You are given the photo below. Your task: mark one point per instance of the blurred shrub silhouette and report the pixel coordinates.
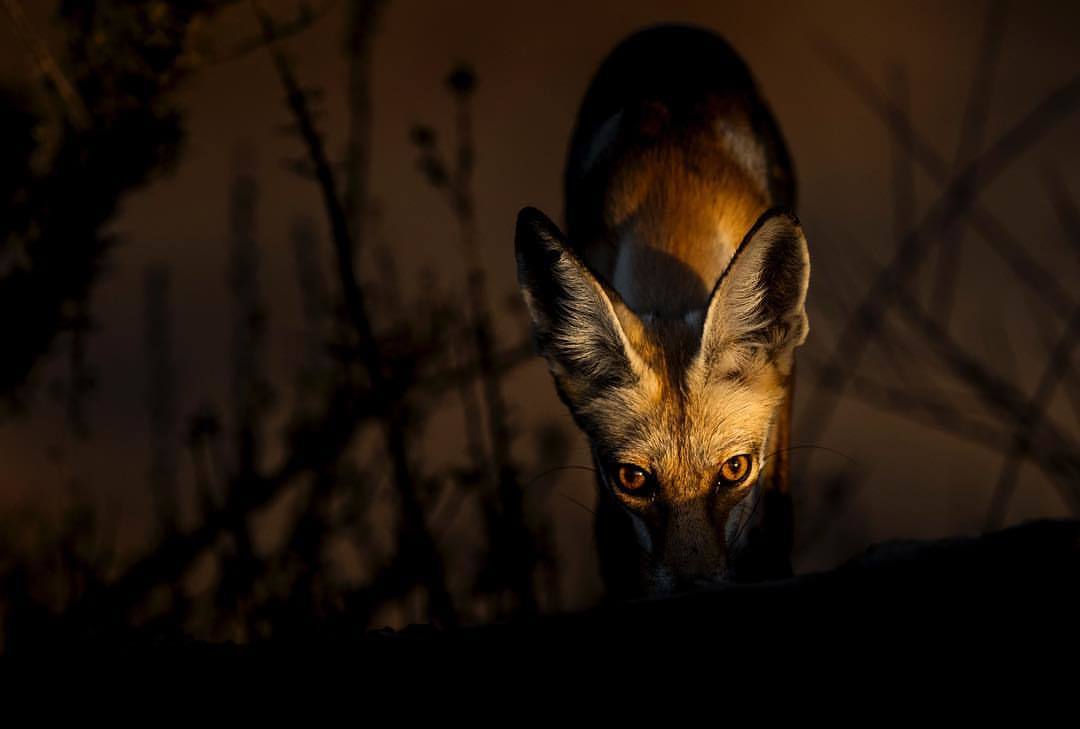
(373, 369)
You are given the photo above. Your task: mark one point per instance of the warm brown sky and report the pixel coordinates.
(534, 61)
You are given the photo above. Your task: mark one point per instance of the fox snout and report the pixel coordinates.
(691, 553)
(665, 548)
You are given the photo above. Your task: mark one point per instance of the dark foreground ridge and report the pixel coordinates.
(1015, 588)
(1022, 583)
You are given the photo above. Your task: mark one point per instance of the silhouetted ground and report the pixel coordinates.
(1017, 588)
(1021, 584)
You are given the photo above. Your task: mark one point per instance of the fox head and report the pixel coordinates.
(678, 411)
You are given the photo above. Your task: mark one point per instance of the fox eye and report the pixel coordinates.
(734, 471)
(634, 480)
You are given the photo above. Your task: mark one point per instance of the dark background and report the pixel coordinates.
(885, 474)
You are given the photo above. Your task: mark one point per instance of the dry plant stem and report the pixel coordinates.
(891, 281)
(508, 518)
(472, 419)
(361, 18)
(1053, 108)
(974, 125)
(304, 19)
(1058, 364)
(933, 413)
(1000, 396)
(903, 140)
(1059, 361)
(413, 532)
(1069, 217)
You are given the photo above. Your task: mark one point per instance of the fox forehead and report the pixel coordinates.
(680, 424)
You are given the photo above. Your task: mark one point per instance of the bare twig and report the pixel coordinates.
(361, 17)
(511, 542)
(1060, 103)
(1057, 365)
(174, 556)
(305, 17)
(1000, 396)
(1069, 217)
(972, 130)
(413, 532)
(891, 281)
(928, 411)
(1059, 361)
(903, 168)
(472, 419)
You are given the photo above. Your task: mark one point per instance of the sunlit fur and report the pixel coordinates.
(669, 325)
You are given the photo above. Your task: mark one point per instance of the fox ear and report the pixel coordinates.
(578, 324)
(757, 313)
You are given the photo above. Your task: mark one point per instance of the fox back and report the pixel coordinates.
(670, 311)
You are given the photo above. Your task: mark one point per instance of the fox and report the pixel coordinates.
(670, 311)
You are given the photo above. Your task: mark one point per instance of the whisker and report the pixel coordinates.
(572, 500)
(747, 519)
(572, 467)
(804, 446)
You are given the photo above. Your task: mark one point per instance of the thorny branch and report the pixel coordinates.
(1033, 436)
(413, 531)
